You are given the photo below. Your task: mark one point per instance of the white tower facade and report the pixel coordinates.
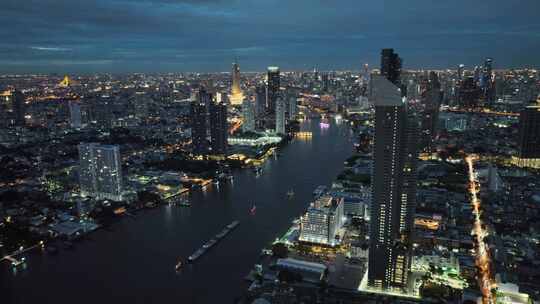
(248, 114)
(280, 116)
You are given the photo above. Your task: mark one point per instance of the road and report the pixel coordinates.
(483, 260)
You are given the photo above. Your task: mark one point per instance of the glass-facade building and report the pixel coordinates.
(100, 171)
(393, 181)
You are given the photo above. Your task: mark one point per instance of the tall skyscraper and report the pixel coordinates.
(218, 128)
(293, 107)
(280, 115)
(529, 136)
(460, 70)
(260, 101)
(365, 73)
(431, 101)
(237, 97)
(486, 81)
(19, 108)
(199, 122)
(488, 67)
(468, 93)
(393, 181)
(476, 74)
(248, 114)
(100, 171)
(391, 66)
(325, 82)
(272, 88)
(75, 117)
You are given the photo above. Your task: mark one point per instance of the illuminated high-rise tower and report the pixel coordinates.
(237, 96)
(218, 128)
(248, 114)
(280, 115)
(19, 108)
(393, 180)
(293, 107)
(431, 99)
(199, 121)
(260, 101)
(272, 88)
(100, 171)
(391, 66)
(486, 81)
(460, 70)
(529, 136)
(75, 116)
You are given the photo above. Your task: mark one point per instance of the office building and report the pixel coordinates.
(18, 105)
(322, 221)
(260, 101)
(293, 107)
(529, 137)
(431, 98)
(325, 82)
(280, 115)
(218, 128)
(237, 96)
(393, 181)
(199, 122)
(100, 171)
(468, 93)
(460, 71)
(75, 116)
(486, 81)
(272, 88)
(248, 115)
(391, 66)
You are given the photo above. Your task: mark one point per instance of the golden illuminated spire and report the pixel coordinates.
(66, 82)
(237, 96)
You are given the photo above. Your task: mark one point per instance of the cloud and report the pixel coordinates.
(50, 49)
(295, 34)
(31, 62)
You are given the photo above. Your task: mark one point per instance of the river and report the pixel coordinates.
(134, 262)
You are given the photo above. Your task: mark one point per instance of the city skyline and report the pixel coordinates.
(204, 36)
(270, 151)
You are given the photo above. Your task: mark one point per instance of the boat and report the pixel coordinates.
(253, 210)
(184, 204)
(222, 233)
(233, 224)
(196, 254)
(290, 193)
(178, 265)
(209, 244)
(16, 263)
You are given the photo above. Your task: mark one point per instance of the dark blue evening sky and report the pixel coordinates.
(206, 35)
